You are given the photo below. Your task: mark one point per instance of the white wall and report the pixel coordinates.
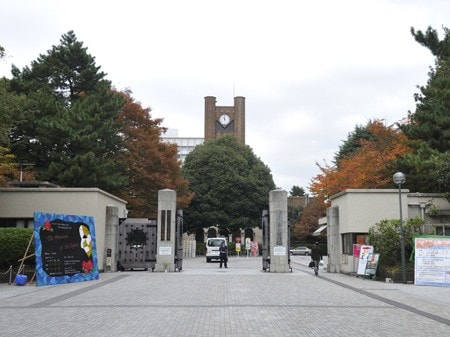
(361, 209)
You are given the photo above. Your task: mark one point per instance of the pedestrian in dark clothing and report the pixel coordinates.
(223, 250)
(316, 256)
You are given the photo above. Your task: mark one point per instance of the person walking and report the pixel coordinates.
(316, 256)
(223, 250)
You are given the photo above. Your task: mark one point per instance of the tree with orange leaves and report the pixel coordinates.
(315, 210)
(151, 165)
(367, 160)
(371, 165)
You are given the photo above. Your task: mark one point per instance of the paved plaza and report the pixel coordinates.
(242, 300)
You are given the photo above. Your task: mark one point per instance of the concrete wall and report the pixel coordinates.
(21, 203)
(361, 209)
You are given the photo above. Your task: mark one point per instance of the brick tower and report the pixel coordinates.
(225, 120)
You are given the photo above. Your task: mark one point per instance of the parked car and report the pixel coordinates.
(301, 250)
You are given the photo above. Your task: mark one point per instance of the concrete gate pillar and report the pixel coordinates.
(279, 254)
(167, 215)
(111, 229)
(334, 262)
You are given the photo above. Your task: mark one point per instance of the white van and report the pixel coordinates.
(212, 248)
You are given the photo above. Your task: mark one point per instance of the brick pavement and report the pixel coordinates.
(203, 300)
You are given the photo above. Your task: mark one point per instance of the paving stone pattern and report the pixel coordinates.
(242, 300)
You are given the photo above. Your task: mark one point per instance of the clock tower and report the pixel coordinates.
(225, 120)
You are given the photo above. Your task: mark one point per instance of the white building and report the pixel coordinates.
(185, 144)
(354, 211)
(18, 204)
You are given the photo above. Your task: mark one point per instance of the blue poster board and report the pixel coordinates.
(65, 248)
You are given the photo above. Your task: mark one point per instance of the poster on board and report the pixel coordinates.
(372, 264)
(364, 252)
(432, 261)
(65, 248)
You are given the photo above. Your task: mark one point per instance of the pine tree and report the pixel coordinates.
(429, 126)
(70, 130)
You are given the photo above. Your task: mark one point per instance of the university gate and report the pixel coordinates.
(137, 244)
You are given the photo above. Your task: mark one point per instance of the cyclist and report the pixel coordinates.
(316, 256)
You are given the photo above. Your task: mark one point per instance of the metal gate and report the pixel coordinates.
(179, 241)
(266, 240)
(137, 244)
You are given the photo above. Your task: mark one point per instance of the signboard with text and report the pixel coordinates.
(432, 261)
(364, 251)
(65, 248)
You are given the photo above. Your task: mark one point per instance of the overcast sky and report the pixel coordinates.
(310, 70)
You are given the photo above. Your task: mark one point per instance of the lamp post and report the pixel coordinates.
(399, 179)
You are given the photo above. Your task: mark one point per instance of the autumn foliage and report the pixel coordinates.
(371, 166)
(308, 222)
(151, 164)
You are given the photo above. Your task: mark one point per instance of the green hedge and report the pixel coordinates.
(13, 244)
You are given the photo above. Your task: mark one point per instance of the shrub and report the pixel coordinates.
(13, 245)
(385, 238)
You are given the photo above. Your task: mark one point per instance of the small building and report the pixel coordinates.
(18, 204)
(354, 211)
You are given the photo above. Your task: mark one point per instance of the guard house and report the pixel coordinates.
(18, 204)
(354, 211)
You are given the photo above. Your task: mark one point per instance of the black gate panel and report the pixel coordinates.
(179, 241)
(266, 240)
(137, 243)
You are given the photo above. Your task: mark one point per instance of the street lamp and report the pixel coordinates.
(399, 179)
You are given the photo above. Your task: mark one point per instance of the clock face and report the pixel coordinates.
(224, 120)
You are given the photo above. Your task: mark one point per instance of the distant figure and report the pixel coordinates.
(223, 250)
(316, 256)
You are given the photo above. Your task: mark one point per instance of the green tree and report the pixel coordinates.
(297, 191)
(11, 106)
(231, 186)
(70, 129)
(428, 128)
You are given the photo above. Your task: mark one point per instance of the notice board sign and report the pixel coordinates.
(372, 264)
(364, 252)
(65, 248)
(432, 261)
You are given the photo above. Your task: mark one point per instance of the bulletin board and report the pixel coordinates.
(65, 248)
(432, 261)
(372, 264)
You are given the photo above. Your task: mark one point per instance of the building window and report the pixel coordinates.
(20, 223)
(443, 230)
(350, 239)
